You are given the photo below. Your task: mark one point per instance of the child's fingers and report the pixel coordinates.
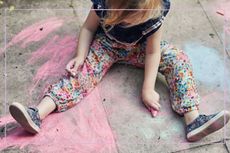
(158, 104)
(151, 110)
(148, 107)
(154, 106)
(69, 66)
(157, 101)
(76, 68)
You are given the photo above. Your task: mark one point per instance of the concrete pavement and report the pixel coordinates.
(192, 25)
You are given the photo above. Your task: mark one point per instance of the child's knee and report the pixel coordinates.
(173, 55)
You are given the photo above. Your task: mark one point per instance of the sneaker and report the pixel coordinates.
(204, 125)
(28, 118)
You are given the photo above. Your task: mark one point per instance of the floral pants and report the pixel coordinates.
(103, 53)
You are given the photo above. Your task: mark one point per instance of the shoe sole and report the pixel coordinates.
(209, 127)
(20, 114)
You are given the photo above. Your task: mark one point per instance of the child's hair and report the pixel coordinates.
(117, 16)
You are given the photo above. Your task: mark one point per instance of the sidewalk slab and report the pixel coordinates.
(18, 53)
(215, 12)
(133, 125)
(213, 8)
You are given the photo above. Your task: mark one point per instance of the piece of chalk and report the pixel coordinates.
(150, 110)
(153, 112)
(220, 13)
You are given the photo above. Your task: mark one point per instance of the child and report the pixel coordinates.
(126, 31)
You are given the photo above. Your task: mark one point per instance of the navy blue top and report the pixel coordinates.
(129, 35)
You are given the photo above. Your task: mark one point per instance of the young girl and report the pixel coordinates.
(125, 31)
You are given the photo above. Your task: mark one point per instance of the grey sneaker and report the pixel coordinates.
(204, 125)
(28, 118)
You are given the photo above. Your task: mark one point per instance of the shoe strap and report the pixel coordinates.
(34, 115)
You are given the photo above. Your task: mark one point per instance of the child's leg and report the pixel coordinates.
(69, 91)
(45, 107)
(177, 69)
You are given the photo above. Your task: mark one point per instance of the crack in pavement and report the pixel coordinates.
(223, 141)
(72, 6)
(226, 147)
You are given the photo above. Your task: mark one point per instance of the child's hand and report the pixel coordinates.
(73, 65)
(151, 100)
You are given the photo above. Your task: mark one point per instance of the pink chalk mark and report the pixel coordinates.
(56, 53)
(223, 9)
(35, 32)
(82, 129)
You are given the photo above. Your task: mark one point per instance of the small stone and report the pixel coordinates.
(211, 35)
(104, 99)
(32, 71)
(19, 53)
(41, 29)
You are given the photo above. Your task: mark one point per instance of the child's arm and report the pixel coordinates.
(86, 34)
(152, 60)
(85, 38)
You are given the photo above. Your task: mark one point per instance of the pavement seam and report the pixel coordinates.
(226, 146)
(115, 140)
(213, 27)
(199, 146)
(72, 6)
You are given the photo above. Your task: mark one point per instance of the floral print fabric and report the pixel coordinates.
(103, 53)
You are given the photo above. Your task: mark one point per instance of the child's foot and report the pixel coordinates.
(28, 118)
(204, 125)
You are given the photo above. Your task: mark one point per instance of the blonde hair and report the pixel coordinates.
(150, 9)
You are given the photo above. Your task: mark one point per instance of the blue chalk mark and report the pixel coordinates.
(208, 65)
